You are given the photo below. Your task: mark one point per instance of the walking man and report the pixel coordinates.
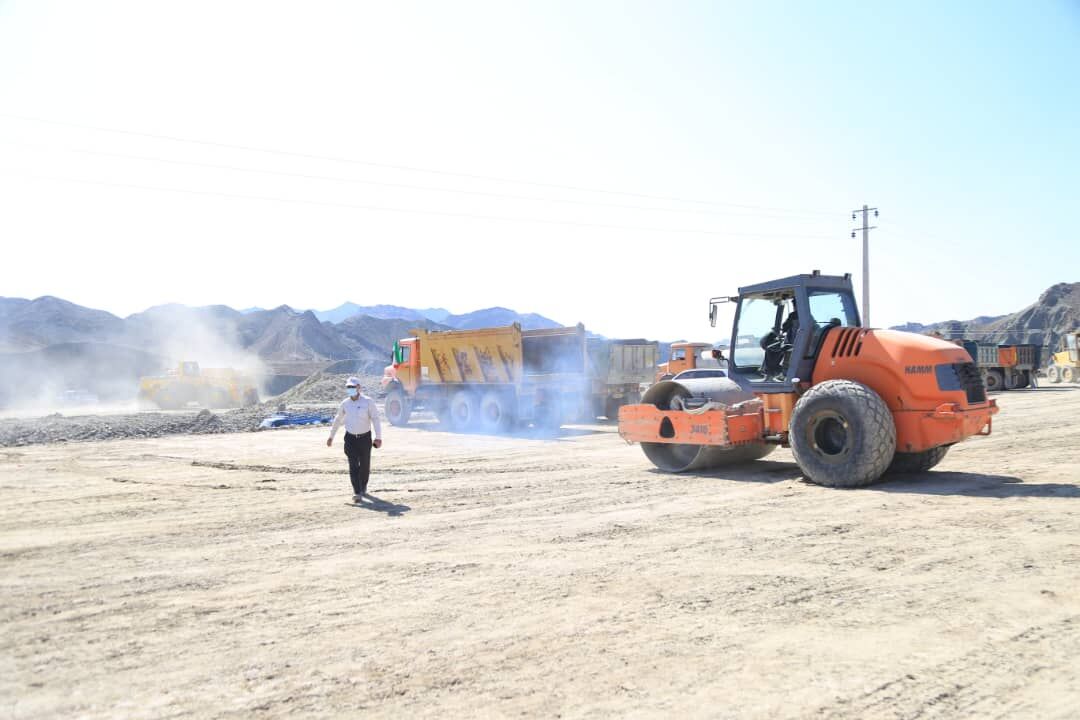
(359, 414)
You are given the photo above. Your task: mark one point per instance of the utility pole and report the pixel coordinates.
(866, 228)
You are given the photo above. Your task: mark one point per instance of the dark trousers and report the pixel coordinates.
(358, 450)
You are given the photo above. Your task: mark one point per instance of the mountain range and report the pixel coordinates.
(1057, 311)
(50, 342)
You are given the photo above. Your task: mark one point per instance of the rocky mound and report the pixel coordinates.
(1057, 311)
(326, 388)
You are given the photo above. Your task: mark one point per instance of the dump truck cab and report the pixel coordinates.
(685, 356)
(188, 368)
(405, 365)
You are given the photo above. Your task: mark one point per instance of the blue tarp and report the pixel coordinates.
(284, 419)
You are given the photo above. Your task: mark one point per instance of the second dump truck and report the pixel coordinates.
(491, 379)
(1004, 367)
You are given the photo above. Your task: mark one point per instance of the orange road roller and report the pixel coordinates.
(853, 403)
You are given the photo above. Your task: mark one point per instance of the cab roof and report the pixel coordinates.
(814, 280)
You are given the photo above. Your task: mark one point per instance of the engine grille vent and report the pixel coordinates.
(849, 343)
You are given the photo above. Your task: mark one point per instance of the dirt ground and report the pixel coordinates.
(225, 576)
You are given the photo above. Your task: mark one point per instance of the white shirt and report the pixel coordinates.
(358, 415)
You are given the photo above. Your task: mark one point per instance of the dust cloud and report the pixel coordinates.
(103, 377)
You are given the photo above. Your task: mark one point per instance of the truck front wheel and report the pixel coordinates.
(397, 407)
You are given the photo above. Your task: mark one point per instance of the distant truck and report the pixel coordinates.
(490, 379)
(686, 356)
(1004, 367)
(188, 383)
(619, 370)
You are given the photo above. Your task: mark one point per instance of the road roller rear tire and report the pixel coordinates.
(842, 434)
(906, 463)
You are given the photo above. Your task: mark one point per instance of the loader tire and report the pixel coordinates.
(842, 434)
(994, 380)
(1069, 374)
(168, 401)
(496, 413)
(1053, 374)
(464, 411)
(397, 407)
(904, 463)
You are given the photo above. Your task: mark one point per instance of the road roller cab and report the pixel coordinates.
(853, 403)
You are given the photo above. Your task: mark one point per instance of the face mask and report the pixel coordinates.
(352, 390)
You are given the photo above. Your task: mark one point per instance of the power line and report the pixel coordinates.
(407, 168)
(407, 186)
(416, 211)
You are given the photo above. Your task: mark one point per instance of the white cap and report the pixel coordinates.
(352, 381)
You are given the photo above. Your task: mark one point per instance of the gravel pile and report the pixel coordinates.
(329, 388)
(321, 391)
(75, 428)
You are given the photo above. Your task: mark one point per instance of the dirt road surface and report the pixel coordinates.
(225, 576)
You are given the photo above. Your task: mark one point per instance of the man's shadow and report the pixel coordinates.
(370, 502)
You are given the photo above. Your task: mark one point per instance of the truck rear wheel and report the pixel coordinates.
(903, 463)
(842, 434)
(995, 380)
(611, 408)
(464, 411)
(397, 407)
(496, 412)
(1014, 379)
(549, 414)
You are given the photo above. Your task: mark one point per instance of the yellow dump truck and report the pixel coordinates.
(490, 379)
(188, 383)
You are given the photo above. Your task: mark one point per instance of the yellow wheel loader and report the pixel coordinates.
(208, 387)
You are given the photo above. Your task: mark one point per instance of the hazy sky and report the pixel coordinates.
(614, 163)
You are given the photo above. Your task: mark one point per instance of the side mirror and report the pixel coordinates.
(712, 314)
